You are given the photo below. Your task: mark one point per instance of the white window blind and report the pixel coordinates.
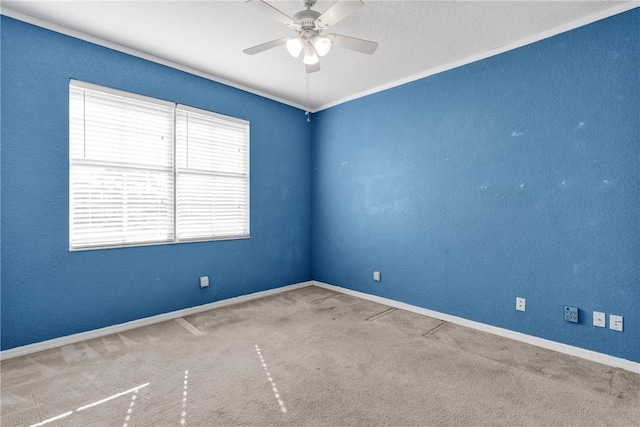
(212, 175)
(128, 187)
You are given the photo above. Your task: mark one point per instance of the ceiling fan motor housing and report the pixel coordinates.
(306, 19)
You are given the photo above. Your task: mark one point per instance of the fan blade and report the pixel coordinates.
(313, 68)
(266, 46)
(337, 12)
(267, 9)
(359, 45)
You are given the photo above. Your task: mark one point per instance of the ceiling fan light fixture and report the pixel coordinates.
(310, 24)
(322, 45)
(295, 46)
(310, 56)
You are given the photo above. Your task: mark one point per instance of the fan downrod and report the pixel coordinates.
(309, 3)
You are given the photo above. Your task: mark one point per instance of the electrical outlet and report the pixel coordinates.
(204, 281)
(376, 276)
(615, 322)
(599, 319)
(521, 304)
(571, 314)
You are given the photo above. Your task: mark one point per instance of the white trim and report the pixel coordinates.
(631, 4)
(114, 329)
(492, 52)
(593, 356)
(139, 54)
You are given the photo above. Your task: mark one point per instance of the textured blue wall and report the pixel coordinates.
(514, 176)
(47, 291)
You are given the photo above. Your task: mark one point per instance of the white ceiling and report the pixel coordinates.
(416, 38)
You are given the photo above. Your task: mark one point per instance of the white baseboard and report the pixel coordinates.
(593, 356)
(96, 333)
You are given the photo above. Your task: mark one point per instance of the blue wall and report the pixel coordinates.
(513, 176)
(47, 291)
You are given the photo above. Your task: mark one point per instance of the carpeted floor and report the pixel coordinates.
(311, 357)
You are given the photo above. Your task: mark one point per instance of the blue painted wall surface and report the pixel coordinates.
(518, 175)
(47, 291)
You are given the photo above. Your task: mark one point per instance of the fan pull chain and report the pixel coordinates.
(306, 113)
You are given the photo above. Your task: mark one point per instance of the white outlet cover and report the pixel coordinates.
(615, 322)
(599, 319)
(204, 281)
(376, 276)
(521, 304)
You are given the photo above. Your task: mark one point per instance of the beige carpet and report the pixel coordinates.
(311, 357)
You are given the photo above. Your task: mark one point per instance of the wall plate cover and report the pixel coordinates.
(571, 314)
(521, 304)
(615, 322)
(599, 319)
(376, 276)
(204, 281)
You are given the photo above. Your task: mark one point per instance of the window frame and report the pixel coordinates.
(82, 85)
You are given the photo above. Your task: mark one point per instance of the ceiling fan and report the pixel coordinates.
(310, 24)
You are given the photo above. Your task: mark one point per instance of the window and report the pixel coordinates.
(211, 172)
(146, 171)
